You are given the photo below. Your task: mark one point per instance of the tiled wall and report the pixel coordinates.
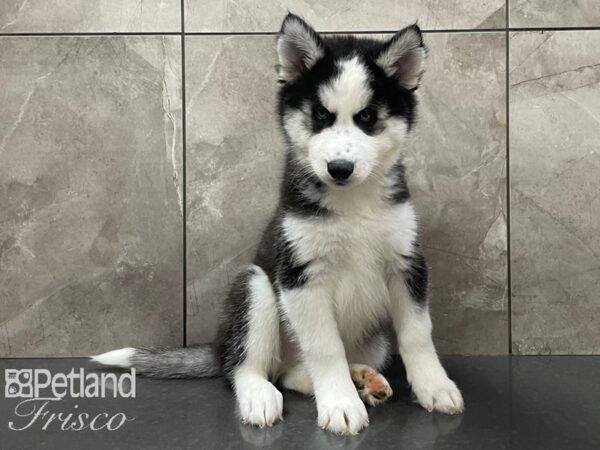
(105, 148)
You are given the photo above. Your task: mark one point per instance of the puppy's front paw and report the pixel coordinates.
(261, 406)
(439, 394)
(342, 414)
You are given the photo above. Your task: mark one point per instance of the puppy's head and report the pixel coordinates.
(346, 104)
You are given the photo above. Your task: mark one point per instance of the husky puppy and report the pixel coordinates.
(340, 260)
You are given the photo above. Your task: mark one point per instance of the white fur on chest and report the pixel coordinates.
(350, 256)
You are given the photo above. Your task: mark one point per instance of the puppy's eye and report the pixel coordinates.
(321, 113)
(366, 116)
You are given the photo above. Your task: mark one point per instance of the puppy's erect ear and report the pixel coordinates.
(403, 57)
(299, 47)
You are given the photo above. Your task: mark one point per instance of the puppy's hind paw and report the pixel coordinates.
(372, 387)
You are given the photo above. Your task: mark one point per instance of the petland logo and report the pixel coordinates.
(42, 390)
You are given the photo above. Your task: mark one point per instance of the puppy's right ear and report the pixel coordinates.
(299, 47)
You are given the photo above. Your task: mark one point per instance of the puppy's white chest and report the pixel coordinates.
(359, 293)
(362, 242)
(349, 257)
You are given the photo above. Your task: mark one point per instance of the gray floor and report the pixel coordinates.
(519, 403)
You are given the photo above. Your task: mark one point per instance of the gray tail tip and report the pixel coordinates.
(116, 358)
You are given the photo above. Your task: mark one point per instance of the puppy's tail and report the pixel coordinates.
(189, 362)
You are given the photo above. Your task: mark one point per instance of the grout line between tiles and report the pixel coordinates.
(555, 29)
(184, 175)
(510, 397)
(273, 33)
(93, 33)
(508, 241)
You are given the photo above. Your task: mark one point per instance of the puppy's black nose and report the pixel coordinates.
(340, 169)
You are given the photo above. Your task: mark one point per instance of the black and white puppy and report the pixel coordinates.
(341, 259)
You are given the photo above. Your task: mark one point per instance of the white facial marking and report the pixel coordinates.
(345, 96)
(295, 125)
(349, 92)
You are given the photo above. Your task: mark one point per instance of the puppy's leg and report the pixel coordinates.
(259, 402)
(309, 312)
(428, 379)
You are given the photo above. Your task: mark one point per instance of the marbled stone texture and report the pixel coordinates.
(90, 194)
(234, 160)
(66, 16)
(456, 163)
(555, 206)
(338, 16)
(554, 13)
(456, 168)
(91, 176)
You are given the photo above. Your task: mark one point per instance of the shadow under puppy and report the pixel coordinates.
(341, 259)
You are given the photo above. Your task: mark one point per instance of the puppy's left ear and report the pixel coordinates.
(403, 57)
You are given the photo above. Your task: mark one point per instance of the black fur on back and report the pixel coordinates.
(416, 276)
(233, 330)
